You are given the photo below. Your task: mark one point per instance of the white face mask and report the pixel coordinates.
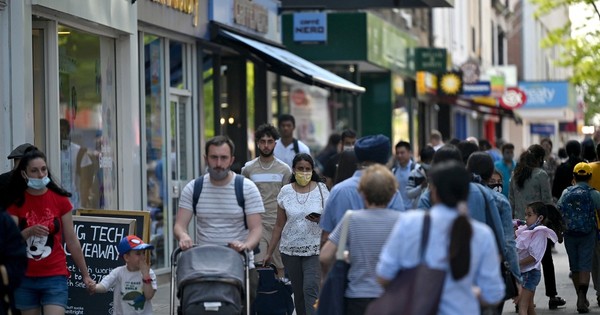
(348, 147)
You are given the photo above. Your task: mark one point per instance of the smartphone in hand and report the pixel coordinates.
(314, 215)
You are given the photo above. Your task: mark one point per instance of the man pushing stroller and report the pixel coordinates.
(221, 218)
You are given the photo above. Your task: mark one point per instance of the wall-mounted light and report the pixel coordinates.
(222, 121)
(231, 120)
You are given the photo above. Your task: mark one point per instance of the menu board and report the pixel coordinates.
(99, 238)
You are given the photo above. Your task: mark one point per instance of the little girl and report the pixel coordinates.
(531, 245)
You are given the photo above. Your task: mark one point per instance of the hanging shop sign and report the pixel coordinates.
(428, 59)
(450, 83)
(513, 98)
(310, 27)
(427, 83)
(470, 70)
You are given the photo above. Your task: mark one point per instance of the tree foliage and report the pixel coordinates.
(580, 53)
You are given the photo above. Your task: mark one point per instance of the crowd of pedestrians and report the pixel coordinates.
(485, 217)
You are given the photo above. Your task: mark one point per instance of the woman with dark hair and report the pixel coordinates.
(299, 207)
(464, 247)
(529, 182)
(42, 211)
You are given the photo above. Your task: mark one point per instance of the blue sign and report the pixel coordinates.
(481, 88)
(545, 94)
(310, 27)
(542, 129)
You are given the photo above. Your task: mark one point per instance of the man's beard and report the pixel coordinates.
(263, 154)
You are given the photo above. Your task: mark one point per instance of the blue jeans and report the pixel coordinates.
(35, 292)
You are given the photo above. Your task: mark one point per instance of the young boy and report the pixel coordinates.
(135, 283)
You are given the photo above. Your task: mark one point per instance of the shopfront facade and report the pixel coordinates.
(373, 54)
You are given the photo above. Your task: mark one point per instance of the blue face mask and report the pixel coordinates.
(38, 183)
(537, 222)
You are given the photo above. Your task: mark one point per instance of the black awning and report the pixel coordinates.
(289, 64)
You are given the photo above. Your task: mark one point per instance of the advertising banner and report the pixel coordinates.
(546, 94)
(310, 27)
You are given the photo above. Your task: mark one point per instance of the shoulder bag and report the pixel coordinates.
(331, 299)
(414, 291)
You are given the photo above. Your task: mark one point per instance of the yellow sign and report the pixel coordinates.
(450, 83)
(185, 6)
(426, 83)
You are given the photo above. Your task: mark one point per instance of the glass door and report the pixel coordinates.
(179, 170)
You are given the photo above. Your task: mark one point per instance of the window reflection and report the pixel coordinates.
(87, 129)
(156, 181)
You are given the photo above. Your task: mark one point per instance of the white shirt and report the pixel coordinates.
(128, 294)
(287, 154)
(301, 237)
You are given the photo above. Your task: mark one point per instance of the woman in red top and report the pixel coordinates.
(42, 211)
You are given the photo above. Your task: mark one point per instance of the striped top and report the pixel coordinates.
(219, 219)
(367, 232)
(269, 179)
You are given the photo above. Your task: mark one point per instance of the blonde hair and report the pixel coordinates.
(377, 184)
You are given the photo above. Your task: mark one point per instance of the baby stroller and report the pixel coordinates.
(210, 280)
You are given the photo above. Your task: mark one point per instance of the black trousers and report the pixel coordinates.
(548, 270)
(357, 306)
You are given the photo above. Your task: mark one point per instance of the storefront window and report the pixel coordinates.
(156, 183)
(87, 118)
(176, 64)
(209, 94)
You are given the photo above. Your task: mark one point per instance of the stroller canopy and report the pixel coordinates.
(210, 263)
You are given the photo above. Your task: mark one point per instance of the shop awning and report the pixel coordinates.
(301, 69)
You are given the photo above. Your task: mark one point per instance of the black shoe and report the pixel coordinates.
(583, 305)
(555, 302)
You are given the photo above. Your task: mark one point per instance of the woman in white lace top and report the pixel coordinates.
(300, 204)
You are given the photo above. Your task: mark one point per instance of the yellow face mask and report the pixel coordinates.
(303, 178)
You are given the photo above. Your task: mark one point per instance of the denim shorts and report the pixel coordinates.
(35, 292)
(580, 250)
(531, 279)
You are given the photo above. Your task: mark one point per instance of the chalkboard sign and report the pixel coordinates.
(99, 238)
(141, 217)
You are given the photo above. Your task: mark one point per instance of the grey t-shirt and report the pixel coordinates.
(367, 233)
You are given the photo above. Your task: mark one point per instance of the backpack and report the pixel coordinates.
(239, 195)
(578, 211)
(296, 146)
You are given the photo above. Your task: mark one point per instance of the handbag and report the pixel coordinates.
(509, 279)
(414, 291)
(331, 299)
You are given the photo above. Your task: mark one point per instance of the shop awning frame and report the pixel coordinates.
(288, 64)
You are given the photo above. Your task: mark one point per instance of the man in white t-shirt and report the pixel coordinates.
(75, 167)
(219, 218)
(287, 147)
(269, 174)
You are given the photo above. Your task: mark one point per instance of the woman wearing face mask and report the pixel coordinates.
(300, 204)
(481, 164)
(42, 211)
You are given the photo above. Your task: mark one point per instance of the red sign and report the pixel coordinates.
(513, 98)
